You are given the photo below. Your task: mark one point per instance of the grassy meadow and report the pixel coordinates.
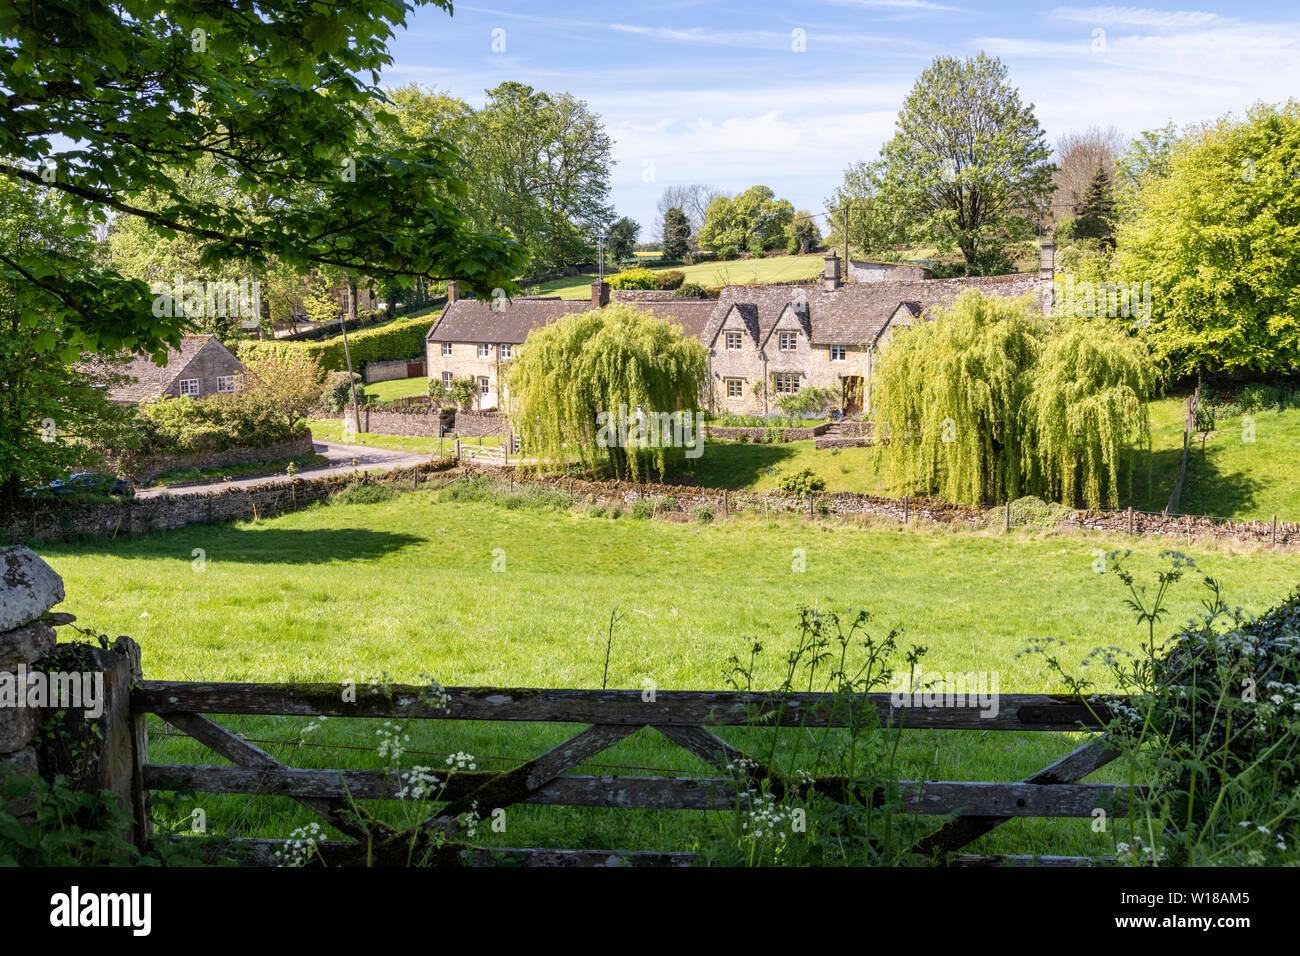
(407, 587)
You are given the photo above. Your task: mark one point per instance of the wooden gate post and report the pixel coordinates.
(105, 747)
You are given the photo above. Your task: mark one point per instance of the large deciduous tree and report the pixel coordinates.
(109, 103)
(586, 369)
(968, 161)
(541, 165)
(1219, 239)
(988, 402)
(755, 221)
(875, 226)
(53, 409)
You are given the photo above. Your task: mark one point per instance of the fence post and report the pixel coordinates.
(458, 449)
(810, 506)
(1274, 529)
(1006, 523)
(1130, 519)
(907, 502)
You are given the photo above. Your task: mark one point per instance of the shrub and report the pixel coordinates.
(464, 391)
(703, 514)
(812, 402)
(337, 393)
(186, 426)
(635, 279)
(1257, 398)
(803, 483)
(672, 279)
(598, 510)
(728, 252)
(642, 509)
(691, 290)
(702, 255)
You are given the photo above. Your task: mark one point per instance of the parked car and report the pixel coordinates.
(89, 481)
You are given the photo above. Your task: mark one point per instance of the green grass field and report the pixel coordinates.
(707, 274)
(407, 586)
(385, 392)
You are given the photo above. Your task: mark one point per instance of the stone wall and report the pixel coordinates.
(842, 441)
(28, 589)
(685, 498)
(420, 421)
(67, 519)
(753, 434)
(388, 371)
(480, 424)
(147, 467)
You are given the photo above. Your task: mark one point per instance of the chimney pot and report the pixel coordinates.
(453, 291)
(599, 294)
(1046, 259)
(831, 274)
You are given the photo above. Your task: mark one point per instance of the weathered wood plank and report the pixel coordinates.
(257, 760)
(643, 793)
(669, 708)
(262, 852)
(1072, 767)
(709, 747)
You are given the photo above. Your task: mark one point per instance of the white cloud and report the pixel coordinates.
(1139, 16)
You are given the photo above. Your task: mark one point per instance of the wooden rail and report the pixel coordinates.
(613, 715)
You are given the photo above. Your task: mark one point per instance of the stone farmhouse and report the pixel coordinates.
(764, 342)
(201, 366)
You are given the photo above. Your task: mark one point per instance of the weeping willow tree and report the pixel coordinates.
(576, 381)
(1088, 406)
(947, 393)
(988, 403)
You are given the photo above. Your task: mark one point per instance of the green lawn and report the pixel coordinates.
(331, 429)
(1232, 478)
(731, 272)
(343, 592)
(384, 392)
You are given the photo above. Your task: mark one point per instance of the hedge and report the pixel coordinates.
(399, 339)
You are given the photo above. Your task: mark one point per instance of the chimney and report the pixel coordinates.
(1046, 259)
(453, 291)
(599, 294)
(831, 274)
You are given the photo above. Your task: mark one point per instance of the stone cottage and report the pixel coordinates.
(764, 342)
(201, 366)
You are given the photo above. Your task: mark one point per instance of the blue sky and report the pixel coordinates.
(719, 92)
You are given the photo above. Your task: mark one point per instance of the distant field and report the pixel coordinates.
(732, 272)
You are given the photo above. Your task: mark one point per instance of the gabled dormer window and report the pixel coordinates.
(733, 341)
(787, 341)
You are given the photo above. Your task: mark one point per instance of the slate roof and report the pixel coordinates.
(473, 320)
(854, 314)
(146, 380)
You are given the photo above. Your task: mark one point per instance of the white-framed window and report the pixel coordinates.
(229, 383)
(446, 348)
(484, 386)
(733, 341)
(787, 383)
(189, 386)
(735, 388)
(484, 350)
(787, 341)
(503, 351)
(446, 379)
(839, 353)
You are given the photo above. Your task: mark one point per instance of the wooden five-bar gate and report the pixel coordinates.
(683, 717)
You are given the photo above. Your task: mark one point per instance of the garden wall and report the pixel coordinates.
(392, 369)
(67, 519)
(480, 424)
(414, 420)
(147, 467)
(756, 434)
(686, 498)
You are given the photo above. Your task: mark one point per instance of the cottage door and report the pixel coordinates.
(852, 395)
